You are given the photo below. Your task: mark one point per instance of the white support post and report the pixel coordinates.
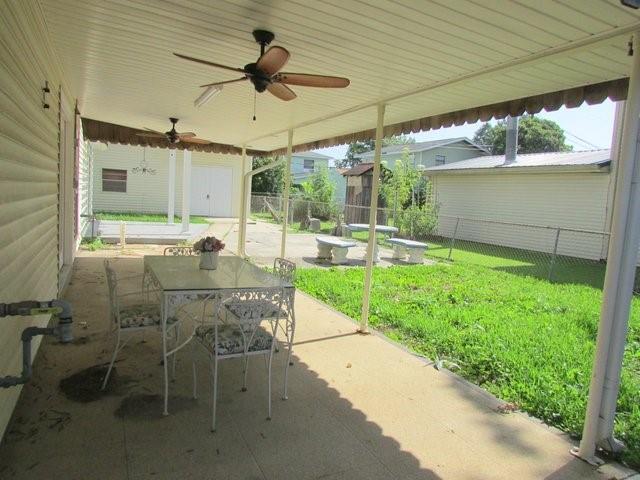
(186, 190)
(287, 191)
(619, 279)
(244, 192)
(373, 211)
(171, 193)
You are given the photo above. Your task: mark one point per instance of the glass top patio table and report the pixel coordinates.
(182, 273)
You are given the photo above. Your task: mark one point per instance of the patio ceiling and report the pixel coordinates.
(421, 58)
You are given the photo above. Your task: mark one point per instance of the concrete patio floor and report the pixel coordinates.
(359, 407)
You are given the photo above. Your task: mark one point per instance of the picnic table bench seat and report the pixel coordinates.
(334, 248)
(403, 246)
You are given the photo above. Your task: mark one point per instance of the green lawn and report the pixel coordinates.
(524, 339)
(145, 217)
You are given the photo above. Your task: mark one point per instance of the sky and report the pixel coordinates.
(586, 128)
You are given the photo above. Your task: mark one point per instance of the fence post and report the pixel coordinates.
(453, 238)
(555, 253)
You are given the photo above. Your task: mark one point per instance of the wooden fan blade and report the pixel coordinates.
(195, 140)
(307, 80)
(186, 135)
(211, 64)
(225, 82)
(281, 91)
(273, 60)
(151, 134)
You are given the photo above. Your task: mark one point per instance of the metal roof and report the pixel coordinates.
(529, 161)
(422, 146)
(315, 155)
(358, 170)
(418, 57)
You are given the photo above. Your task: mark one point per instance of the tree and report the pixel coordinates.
(269, 181)
(319, 193)
(535, 135)
(356, 148)
(398, 186)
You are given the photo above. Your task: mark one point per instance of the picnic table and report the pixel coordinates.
(364, 227)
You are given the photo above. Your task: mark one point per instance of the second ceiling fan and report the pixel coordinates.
(265, 73)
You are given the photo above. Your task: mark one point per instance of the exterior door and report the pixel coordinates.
(211, 191)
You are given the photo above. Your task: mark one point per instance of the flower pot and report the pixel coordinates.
(209, 260)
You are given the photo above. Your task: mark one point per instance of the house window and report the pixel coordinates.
(441, 159)
(114, 180)
(308, 164)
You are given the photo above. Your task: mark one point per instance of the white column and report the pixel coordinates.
(287, 191)
(619, 279)
(373, 211)
(171, 193)
(186, 190)
(244, 192)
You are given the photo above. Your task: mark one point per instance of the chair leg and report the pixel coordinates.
(175, 354)
(113, 360)
(165, 365)
(214, 379)
(269, 375)
(246, 372)
(290, 333)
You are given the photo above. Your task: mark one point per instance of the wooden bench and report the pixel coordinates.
(334, 249)
(401, 247)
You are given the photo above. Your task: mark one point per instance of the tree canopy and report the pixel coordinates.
(535, 135)
(269, 181)
(357, 148)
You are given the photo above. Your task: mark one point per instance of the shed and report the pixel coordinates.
(521, 204)
(358, 198)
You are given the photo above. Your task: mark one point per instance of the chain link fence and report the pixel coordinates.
(554, 253)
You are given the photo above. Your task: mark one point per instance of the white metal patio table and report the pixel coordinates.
(180, 280)
(364, 227)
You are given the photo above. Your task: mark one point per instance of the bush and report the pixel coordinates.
(417, 221)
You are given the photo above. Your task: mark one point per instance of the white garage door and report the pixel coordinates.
(211, 191)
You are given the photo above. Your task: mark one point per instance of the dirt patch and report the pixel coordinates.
(85, 385)
(148, 407)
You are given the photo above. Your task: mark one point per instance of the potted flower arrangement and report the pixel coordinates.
(209, 248)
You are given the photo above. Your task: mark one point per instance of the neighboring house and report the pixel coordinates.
(304, 164)
(429, 154)
(119, 185)
(571, 190)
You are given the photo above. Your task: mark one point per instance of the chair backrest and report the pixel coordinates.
(250, 307)
(284, 269)
(112, 284)
(180, 251)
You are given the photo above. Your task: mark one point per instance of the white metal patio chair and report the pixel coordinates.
(132, 312)
(180, 251)
(244, 324)
(286, 270)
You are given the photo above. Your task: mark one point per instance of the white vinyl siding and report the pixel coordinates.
(569, 200)
(148, 193)
(28, 179)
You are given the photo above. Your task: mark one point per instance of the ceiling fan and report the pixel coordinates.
(172, 136)
(265, 73)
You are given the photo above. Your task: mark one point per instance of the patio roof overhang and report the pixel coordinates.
(432, 65)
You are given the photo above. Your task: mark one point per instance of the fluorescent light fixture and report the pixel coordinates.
(207, 95)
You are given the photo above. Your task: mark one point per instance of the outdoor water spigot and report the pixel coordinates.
(60, 309)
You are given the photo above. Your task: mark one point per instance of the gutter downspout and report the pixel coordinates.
(619, 277)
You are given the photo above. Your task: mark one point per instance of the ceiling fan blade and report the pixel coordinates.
(195, 140)
(151, 134)
(307, 80)
(281, 91)
(225, 82)
(186, 134)
(273, 60)
(211, 64)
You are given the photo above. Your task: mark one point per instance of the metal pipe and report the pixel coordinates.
(287, 191)
(242, 230)
(617, 290)
(373, 211)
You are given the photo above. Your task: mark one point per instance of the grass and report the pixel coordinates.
(146, 217)
(93, 245)
(523, 339)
